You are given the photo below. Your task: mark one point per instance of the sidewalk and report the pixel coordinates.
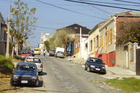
(111, 72)
(114, 72)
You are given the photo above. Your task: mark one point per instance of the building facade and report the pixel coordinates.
(43, 38)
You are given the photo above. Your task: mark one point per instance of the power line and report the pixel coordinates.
(45, 27)
(113, 3)
(68, 9)
(127, 2)
(103, 5)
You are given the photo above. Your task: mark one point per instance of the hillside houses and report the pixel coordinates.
(101, 42)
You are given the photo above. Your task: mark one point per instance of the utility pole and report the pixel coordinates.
(7, 46)
(80, 43)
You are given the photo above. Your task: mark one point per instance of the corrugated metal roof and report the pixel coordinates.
(128, 13)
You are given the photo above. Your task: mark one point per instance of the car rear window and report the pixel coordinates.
(25, 52)
(35, 60)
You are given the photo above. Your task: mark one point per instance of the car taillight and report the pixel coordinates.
(41, 66)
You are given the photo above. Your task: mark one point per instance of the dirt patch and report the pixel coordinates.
(5, 86)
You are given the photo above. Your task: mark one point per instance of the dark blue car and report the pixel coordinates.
(95, 64)
(25, 73)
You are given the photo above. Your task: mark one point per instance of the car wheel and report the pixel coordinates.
(88, 69)
(85, 68)
(11, 83)
(37, 83)
(40, 73)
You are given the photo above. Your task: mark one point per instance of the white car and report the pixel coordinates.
(37, 61)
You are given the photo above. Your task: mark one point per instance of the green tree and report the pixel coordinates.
(22, 21)
(47, 45)
(128, 32)
(64, 37)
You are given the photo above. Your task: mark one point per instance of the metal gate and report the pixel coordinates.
(138, 62)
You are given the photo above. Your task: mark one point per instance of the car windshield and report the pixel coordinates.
(36, 49)
(26, 68)
(35, 60)
(99, 61)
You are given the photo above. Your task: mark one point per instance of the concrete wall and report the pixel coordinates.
(86, 49)
(126, 56)
(121, 53)
(92, 37)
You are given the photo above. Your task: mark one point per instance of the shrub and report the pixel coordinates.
(6, 65)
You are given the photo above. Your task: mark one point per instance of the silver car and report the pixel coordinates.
(37, 61)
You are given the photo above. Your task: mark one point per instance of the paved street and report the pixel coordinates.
(63, 76)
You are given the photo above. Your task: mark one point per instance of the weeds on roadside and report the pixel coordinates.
(6, 65)
(126, 84)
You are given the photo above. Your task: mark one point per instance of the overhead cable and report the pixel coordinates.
(69, 9)
(127, 2)
(103, 5)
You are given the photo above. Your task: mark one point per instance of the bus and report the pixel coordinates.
(36, 51)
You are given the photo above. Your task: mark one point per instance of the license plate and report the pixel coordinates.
(24, 81)
(97, 68)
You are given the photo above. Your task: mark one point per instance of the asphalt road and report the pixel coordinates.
(59, 78)
(62, 76)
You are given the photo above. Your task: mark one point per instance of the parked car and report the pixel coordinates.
(60, 54)
(69, 53)
(25, 73)
(32, 52)
(24, 54)
(95, 64)
(52, 52)
(37, 61)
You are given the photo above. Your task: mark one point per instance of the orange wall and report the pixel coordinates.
(111, 59)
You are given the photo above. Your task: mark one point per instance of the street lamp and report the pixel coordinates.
(7, 46)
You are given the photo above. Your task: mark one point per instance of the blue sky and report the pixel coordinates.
(55, 14)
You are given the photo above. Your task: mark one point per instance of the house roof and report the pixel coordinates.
(77, 27)
(2, 17)
(97, 25)
(129, 13)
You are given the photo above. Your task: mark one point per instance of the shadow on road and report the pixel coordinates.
(43, 73)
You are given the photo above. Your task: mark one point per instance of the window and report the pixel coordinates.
(75, 27)
(91, 45)
(101, 41)
(94, 45)
(86, 46)
(97, 41)
(110, 36)
(78, 43)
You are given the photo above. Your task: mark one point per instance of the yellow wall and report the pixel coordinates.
(77, 55)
